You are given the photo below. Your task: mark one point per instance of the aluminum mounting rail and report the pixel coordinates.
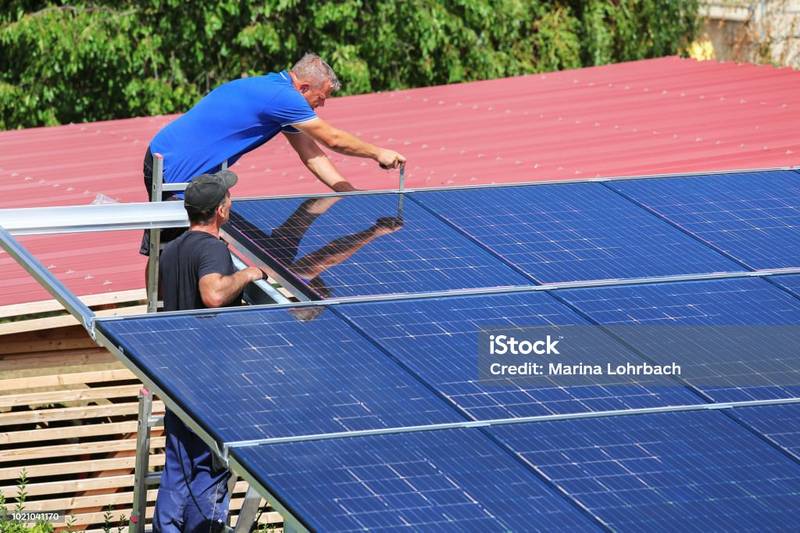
(86, 218)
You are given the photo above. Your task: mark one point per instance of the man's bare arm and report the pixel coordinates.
(317, 162)
(217, 290)
(348, 144)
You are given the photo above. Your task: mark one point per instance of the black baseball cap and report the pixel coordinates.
(207, 191)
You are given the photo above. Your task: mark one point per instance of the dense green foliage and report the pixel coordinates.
(71, 61)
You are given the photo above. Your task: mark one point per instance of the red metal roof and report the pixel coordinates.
(656, 116)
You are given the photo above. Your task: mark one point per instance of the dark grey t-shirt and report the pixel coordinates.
(187, 259)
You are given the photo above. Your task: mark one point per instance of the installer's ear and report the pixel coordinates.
(304, 88)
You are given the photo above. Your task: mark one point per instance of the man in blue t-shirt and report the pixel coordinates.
(243, 114)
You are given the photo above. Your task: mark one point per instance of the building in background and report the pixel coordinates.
(764, 31)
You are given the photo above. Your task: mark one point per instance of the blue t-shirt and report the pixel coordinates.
(231, 120)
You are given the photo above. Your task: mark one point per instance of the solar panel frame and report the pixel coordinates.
(369, 467)
(265, 360)
(750, 217)
(726, 302)
(778, 423)
(438, 351)
(664, 471)
(571, 232)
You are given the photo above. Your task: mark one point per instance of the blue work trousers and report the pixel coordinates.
(193, 496)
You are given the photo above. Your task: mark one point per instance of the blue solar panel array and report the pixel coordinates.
(572, 232)
(753, 216)
(436, 339)
(691, 471)
(780, 423)
(729, 302)
(451, 480)
(262, 373)
(259, 373)
(356, 247)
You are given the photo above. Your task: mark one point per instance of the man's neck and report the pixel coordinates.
(295, 80)
(211, 229)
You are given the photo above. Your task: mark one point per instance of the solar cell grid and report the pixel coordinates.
(692, 471)
(744, 302)
(437, 339)
(753, 216)
(781, 423)
(788, 282)
(265, 373)
(571, 232)
(353, 246)
(449, 480)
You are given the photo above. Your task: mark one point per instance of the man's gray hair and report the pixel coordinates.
(313, 69)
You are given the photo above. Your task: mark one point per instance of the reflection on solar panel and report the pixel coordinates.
(780, 423)
(697, 471)
(451, 480)
(335, 247)
(437, 339)
(572, 232)
(753, 216)
(731, 302)
(259, 373)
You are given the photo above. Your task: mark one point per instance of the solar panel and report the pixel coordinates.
(264, 373)
(336, 247)
(753, 216)
(713, 325)
(450, 480)
(437, 339)
(698, 471)
(572, 232)
(780, 423)
(788, 282)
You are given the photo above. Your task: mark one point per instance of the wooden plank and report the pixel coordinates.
(83, 448)
(72, 485)
(70, 338)
(74, 413)
(72, 378)
(269, 517)
(100, 500)
(60, 321)
(45, 306)
(40, 435)
(69, 395)
(55, 359)
(75, 467)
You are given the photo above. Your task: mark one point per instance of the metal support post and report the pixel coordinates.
(155, 236)
(140, 474)
(249, 511)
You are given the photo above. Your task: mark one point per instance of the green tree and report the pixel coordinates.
(72, 61)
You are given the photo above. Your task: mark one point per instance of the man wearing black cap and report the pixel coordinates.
(196, 272)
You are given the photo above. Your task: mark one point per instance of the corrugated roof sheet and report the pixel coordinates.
(656, 116)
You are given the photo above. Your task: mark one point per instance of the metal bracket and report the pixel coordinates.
(155, 236)
(141, 475)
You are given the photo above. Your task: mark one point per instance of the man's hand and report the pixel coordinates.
(254, 274)
(389, 158)
(386, 225)
(343, 186)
